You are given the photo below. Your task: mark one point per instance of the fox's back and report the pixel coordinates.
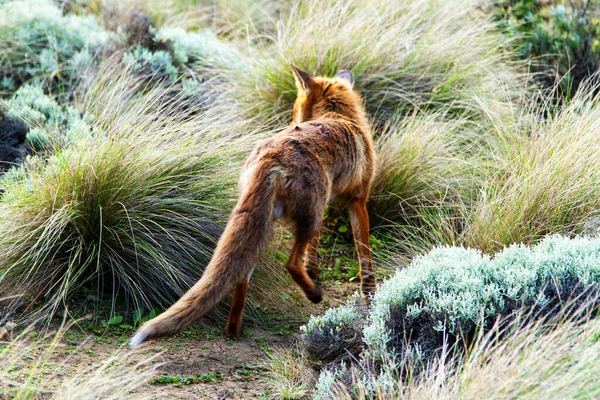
(332, 148)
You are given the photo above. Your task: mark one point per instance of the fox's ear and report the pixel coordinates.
(347, 75)
(303, 80)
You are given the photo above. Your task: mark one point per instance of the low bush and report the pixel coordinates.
(335, 335)
(49, 123)
(555, 357)
(446, 296)
(43, 47)
(156, 64)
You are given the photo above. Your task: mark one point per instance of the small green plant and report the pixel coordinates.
(157, 65)
(50, 124)
(178, 380)
(334, 335)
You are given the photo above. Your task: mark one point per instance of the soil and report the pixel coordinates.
(240, 364)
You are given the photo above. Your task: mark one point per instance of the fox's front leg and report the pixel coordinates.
(312, 263)
(359, 219)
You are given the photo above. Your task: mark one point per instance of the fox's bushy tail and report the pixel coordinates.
(245, 237)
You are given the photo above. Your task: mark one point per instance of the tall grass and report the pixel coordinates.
(231, 19)
(405, 55)
(513, 177)
(548, 172)
(132, 208)
(424, 180)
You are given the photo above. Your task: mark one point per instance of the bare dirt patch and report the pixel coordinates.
(200, 363)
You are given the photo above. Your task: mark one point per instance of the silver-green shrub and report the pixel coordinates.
(200, 49)
(49, 123)
(158, 64)
(43, 46)
(452, 292)
(336, 334)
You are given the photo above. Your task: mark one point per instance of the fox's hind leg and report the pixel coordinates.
(359, 219)
(312, 264)
(295, 267)
(233, 329)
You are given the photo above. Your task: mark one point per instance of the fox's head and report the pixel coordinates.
(320, 95)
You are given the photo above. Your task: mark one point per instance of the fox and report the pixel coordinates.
(325, 154)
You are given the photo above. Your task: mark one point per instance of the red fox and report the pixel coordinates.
(326, 153)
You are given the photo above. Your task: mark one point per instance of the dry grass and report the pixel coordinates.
(547, 175)
(29, 370)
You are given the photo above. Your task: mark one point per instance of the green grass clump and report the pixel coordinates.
(135, 221)
(130, 210)
(514, 178)
(290, 376)
(45, 47)
(425, 179)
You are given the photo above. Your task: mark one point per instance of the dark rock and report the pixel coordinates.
(13, 148)
(140, 31)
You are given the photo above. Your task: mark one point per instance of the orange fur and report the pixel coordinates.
(326, 153)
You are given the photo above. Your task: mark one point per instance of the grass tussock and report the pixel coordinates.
(130, 209)
(290, 376)
(546, 179)
(405, 54)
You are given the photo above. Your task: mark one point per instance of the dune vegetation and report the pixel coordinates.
(124, 125)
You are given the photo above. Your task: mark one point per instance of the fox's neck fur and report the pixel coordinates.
(329, 98)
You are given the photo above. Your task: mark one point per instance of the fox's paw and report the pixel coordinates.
(233, 332)
(317, 296)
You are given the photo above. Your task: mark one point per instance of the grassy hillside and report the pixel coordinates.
(126, 123)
